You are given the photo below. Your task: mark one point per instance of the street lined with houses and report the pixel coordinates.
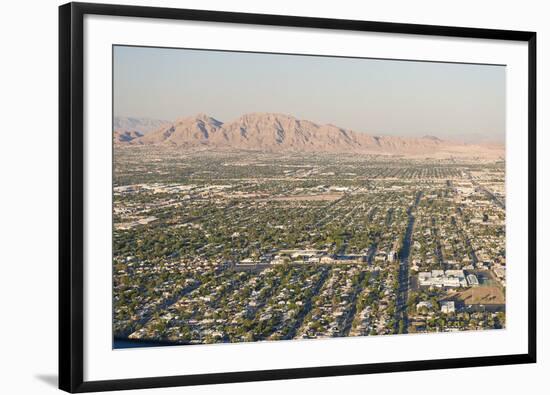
(218, 251)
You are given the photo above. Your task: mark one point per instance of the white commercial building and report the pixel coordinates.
(448, 307)
(472, 280)
(440, 278)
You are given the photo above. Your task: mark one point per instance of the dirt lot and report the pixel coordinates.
(481, 295)
(297, 198)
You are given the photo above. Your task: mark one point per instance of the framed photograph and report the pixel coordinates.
(249, 197)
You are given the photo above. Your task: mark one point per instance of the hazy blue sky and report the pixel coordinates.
(403, 98)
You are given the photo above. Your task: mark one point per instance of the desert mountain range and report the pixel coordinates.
(284, 133)
(137, 124)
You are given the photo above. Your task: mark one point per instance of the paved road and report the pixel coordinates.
(438, 251)
(160, 307)
(307, 307)
(497, 201)
(401, 314)
(348, 320)
(372, 251)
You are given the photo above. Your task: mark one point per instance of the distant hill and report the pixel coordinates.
(141, 125)
(284, 133)
(197, 130)
(126, 136)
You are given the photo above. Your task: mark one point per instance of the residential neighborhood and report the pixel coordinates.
(238, 247)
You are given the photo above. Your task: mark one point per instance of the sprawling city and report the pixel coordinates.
(270, 197)
(217, 246)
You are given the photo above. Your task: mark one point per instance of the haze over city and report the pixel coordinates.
(461, 102)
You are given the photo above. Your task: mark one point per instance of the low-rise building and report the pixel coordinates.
(472, 280)
(440, 278)
(448, 307)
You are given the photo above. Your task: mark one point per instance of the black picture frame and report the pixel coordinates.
(71, 180)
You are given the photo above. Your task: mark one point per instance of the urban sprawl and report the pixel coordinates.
(214, 247)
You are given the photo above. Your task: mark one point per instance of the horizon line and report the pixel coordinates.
(223, 122)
